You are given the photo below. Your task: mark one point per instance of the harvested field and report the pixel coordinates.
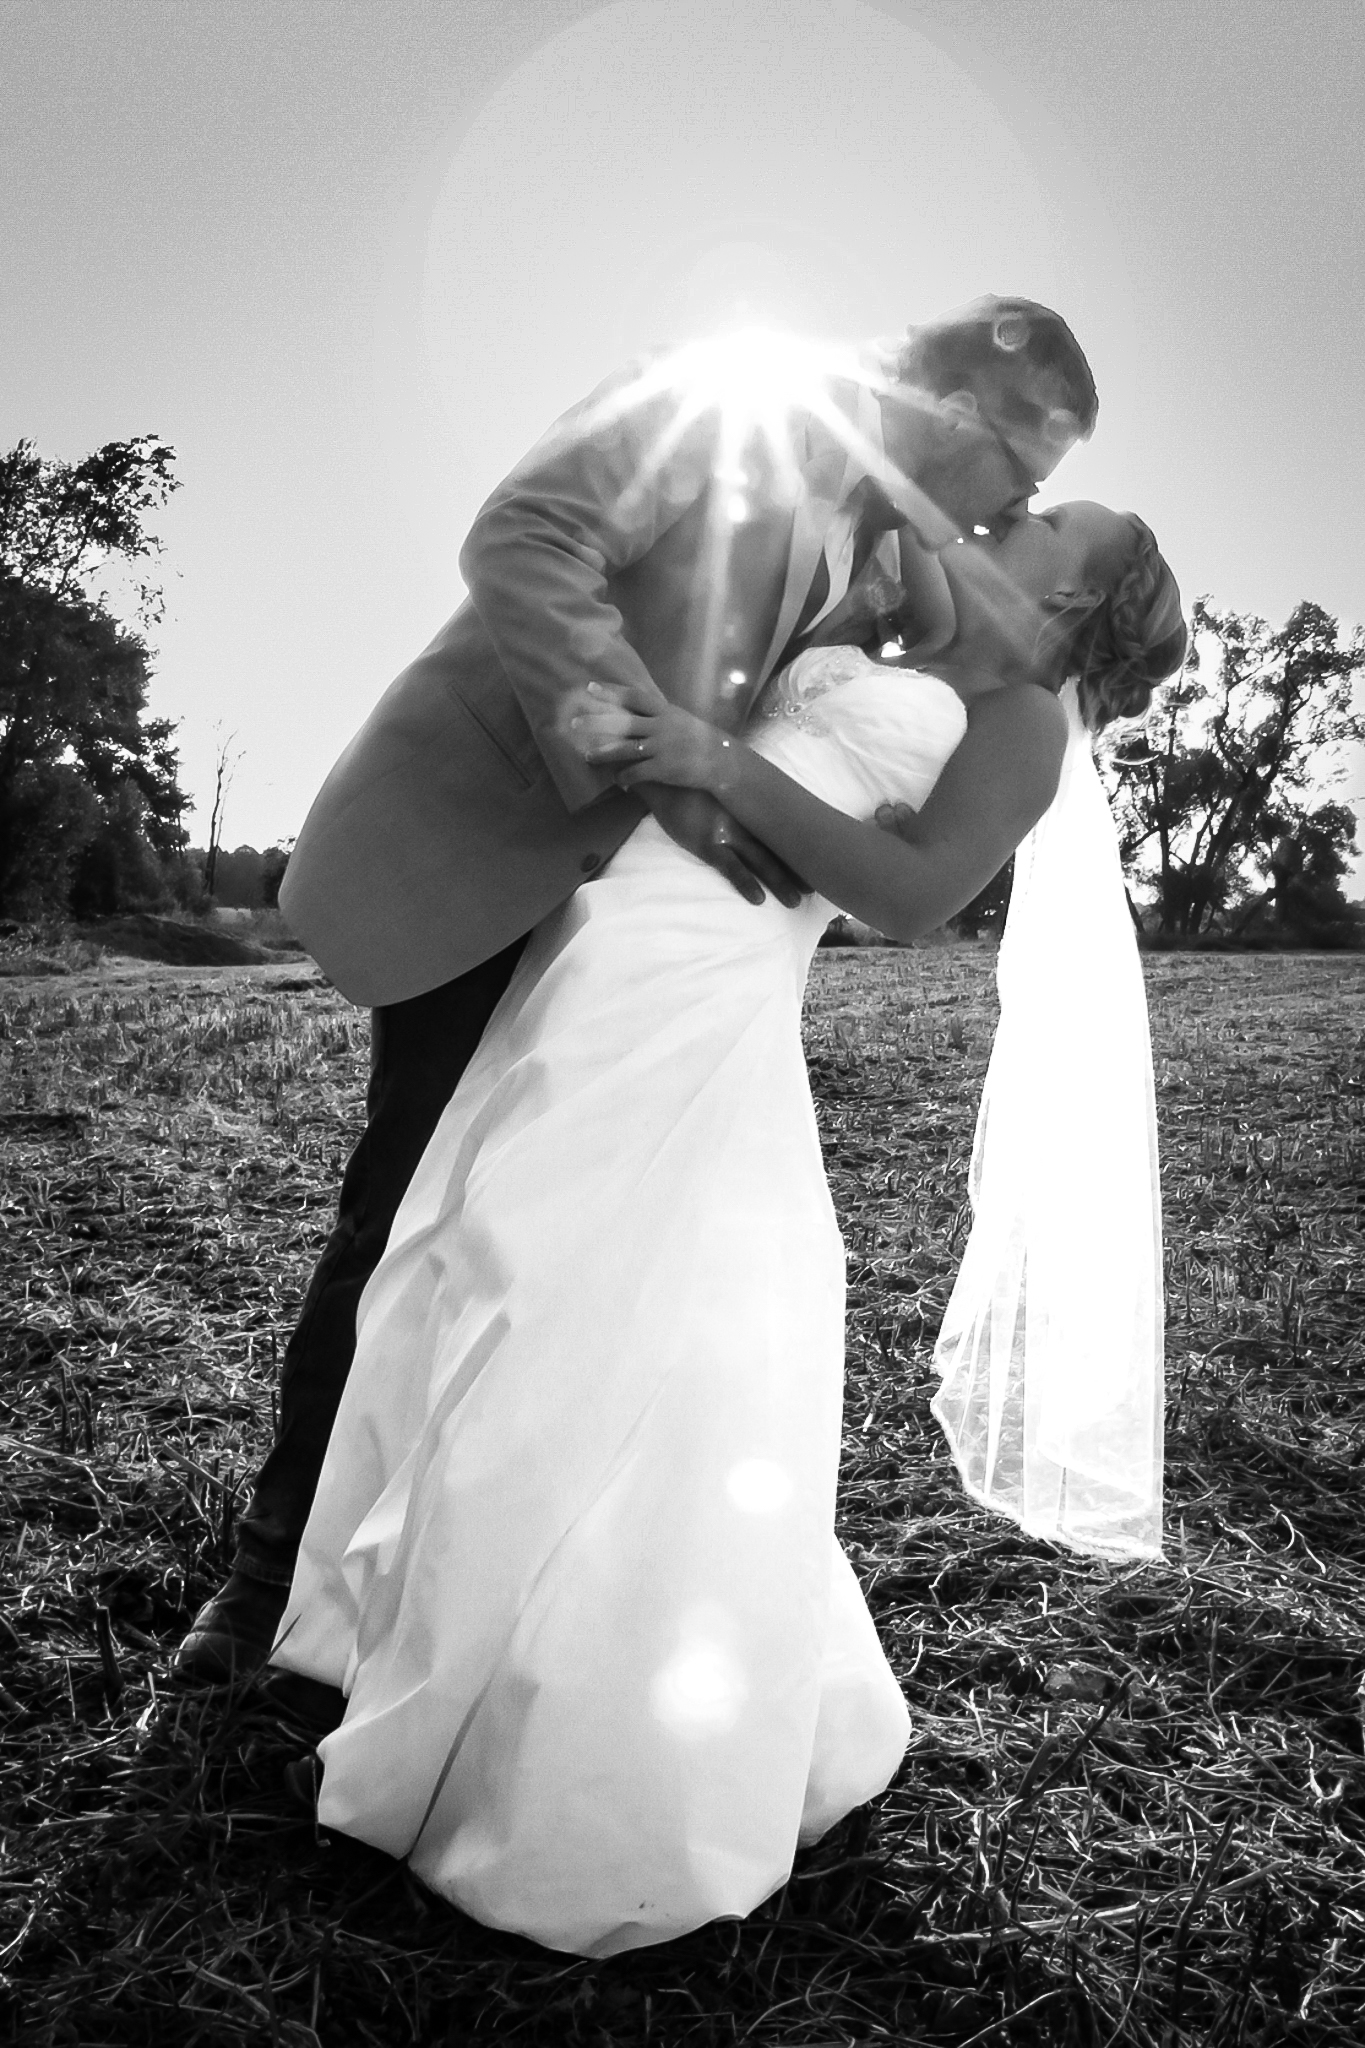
(1134, 1808)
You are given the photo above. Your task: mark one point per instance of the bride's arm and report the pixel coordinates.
(993, 789)
(928, 618)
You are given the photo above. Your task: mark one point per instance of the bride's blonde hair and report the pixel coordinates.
(1120, 643)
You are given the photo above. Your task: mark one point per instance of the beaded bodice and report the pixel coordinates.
(858, 732)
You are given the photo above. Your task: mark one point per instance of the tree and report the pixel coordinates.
(90, 807)
(1220, 783)
(1304, 900)
(225, 768)
(61, 521)
(986, 911)
(274, 861)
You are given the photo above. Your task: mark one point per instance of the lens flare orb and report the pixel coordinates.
(759, 1486)
(700, 1691)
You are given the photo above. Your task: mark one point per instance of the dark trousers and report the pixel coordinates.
(419, 1049)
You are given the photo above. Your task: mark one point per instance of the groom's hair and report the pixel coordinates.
(962, 350)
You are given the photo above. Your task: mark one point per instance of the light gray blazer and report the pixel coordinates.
(459, 815)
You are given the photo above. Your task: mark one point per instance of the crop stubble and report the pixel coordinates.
(1134, 1806)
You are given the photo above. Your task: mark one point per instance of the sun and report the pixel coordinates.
(758, 383)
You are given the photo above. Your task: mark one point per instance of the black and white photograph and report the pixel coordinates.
(682, 1023)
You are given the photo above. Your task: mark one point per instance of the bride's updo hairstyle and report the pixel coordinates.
(1131, 640)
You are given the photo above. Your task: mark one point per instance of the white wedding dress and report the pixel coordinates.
(572, 1556)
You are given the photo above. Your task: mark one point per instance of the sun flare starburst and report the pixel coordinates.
(772, 415)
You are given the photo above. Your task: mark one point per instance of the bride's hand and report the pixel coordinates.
(644, 739)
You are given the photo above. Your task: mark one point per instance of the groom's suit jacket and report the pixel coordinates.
(630, 540)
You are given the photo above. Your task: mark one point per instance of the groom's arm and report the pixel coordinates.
(595, 495)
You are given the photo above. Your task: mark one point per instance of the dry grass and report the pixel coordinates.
(1134, 1810)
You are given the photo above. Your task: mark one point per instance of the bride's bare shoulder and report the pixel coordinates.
(1022, 712)
(1014, 743)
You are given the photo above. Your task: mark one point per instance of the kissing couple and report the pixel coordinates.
(545, 1543)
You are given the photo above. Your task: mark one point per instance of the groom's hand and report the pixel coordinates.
(696, 821)
(900, 819)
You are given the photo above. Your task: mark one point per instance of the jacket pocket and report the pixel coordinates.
(517, 748)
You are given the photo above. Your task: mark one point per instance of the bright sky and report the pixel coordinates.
(351, 257)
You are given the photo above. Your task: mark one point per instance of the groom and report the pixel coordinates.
(655, 532)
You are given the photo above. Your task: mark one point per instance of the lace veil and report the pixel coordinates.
(1051, 1349)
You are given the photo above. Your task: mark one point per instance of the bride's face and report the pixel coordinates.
(999, 585)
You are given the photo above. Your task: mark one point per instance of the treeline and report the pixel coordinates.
(243, 879)
(90, 805)
(1225, 831)
(91, 808)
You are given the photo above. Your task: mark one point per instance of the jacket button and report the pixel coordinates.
(589, 862)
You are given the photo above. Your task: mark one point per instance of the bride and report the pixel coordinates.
(572, 1556)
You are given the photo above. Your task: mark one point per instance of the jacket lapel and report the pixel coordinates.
(829, 472)
(822, 467)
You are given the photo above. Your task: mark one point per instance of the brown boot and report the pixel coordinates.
(231, 1636)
